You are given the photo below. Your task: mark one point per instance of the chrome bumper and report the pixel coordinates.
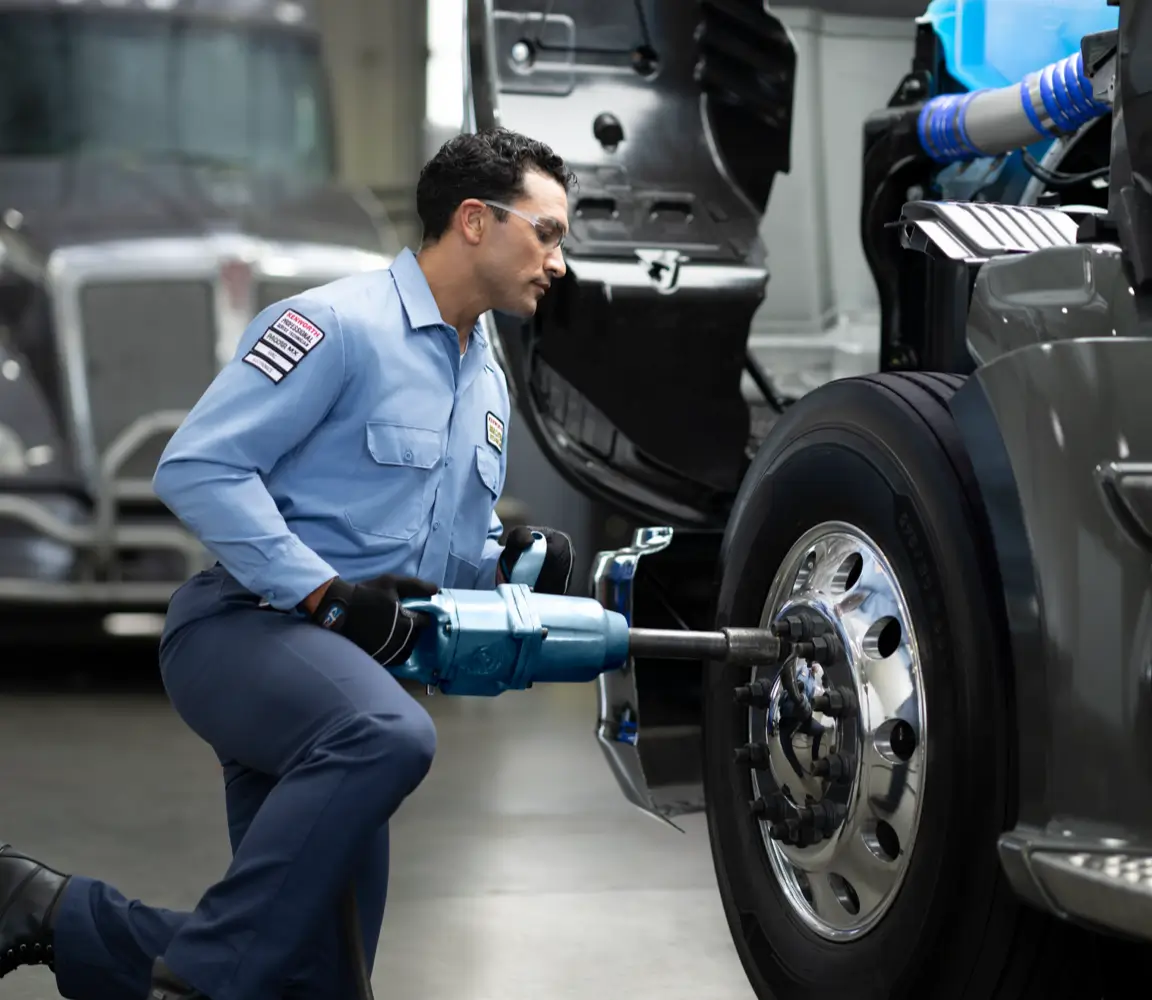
(102, 537)
(618, 733)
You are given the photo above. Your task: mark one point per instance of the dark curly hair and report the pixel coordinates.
(486, 164)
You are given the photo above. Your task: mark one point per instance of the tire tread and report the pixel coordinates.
(1030, 933)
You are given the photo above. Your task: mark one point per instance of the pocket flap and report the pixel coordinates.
(396, 444)
(488, 465)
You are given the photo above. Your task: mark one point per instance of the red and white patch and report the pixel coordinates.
(495, 431)
(296, 327)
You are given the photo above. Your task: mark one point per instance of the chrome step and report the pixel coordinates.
(1113, 890)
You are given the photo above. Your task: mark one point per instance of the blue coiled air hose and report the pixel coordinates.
(1056, 100)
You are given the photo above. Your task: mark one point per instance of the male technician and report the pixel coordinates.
(350, 455)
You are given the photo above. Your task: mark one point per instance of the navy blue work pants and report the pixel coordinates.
(319, 746)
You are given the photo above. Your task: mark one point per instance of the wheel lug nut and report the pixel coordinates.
(758, 694)
(791, 831)
(771, 810)
(836, 767)
(785, 831)
(823, 816)
(793, 628)
(755, 754)
(807, 837)
(838, 702)
(819, 649)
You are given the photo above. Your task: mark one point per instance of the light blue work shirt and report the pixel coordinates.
(347, 437)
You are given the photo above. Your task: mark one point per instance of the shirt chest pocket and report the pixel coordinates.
(395, 481)
(480, 493)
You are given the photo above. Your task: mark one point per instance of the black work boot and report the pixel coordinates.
(166, 985)
(28, 894)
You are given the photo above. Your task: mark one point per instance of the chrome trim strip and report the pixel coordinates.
(618, 732)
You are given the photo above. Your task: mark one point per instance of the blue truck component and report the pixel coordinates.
(996, 43)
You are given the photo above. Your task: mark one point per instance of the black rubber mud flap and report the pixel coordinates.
(882, 453)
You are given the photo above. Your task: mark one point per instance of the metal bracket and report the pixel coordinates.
(618, 733)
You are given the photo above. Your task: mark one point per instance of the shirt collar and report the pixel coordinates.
(416, 296)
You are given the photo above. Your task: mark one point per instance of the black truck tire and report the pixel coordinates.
(881, 453)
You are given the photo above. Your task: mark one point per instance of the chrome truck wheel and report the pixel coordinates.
(855, 848)
(839, 802)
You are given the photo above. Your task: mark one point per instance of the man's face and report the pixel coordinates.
(519, 257)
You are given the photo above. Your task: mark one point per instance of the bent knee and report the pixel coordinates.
(418, 739)
(405, 741)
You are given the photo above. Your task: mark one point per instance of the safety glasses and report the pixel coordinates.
(550, 233)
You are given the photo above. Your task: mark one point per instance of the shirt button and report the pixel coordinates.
(448, 460)
(435, 525)
(407, 456)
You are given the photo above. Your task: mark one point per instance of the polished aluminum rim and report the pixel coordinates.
(838, 581)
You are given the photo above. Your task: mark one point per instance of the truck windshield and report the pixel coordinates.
(162, 87)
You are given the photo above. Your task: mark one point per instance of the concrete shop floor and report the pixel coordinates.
(518, 870)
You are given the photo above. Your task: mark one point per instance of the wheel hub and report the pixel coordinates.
(836, 734)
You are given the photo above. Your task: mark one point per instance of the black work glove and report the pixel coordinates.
(370, 615)
(556, 572)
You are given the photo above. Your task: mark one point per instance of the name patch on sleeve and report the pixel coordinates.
(495, 431)
(284, 345)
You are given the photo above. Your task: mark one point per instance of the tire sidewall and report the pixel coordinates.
(907, 499)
